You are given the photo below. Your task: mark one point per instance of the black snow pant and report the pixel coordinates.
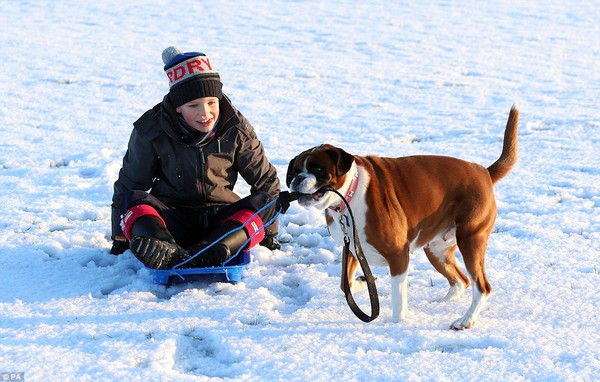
(189, 226)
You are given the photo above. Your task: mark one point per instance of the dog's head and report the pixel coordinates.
(315, 169)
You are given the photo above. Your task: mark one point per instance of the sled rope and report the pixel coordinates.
(235, 230)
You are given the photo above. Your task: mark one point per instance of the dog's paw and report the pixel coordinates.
(400, 316)
(359, 284)
(462, 324)
(454, 293)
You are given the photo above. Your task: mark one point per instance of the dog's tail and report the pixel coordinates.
(508, 158)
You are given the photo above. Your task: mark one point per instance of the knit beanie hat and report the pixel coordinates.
(191, 75)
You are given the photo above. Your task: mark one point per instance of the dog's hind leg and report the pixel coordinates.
(443, 260)
(473, 248)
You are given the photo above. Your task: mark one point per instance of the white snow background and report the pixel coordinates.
(391, 78)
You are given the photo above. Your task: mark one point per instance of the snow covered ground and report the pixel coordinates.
(378, 77)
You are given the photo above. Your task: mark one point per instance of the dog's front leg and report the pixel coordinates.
(399, 296)
(356, 284)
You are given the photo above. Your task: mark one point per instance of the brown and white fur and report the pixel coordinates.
(401, 204)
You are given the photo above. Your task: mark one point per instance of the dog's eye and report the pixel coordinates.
(318, 170)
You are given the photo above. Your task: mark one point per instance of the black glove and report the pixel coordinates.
(285, 198)
(270, 242)
(119, 246)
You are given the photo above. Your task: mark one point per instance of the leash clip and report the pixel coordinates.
(345, 224)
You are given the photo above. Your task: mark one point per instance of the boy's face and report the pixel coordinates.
(201, 113)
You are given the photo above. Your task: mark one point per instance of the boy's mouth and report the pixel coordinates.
(205, 123)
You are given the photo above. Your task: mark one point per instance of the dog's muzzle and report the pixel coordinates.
(304, 183)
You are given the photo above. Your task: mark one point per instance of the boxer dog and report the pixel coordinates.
(437, 203)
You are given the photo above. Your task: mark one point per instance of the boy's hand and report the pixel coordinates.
(120, 245)
(285, 198)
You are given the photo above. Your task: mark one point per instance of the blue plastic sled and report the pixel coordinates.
(232, 270)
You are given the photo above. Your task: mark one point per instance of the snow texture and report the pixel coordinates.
(391, 78)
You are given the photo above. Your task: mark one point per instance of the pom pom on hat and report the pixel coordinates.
(169, 53)
(191, 75)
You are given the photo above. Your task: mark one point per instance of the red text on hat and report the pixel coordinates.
(188, 68)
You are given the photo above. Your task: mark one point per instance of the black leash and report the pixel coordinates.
(364, 265)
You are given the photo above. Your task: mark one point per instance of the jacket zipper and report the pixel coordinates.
(203, 191)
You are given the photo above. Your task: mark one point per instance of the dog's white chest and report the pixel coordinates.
(342, 227)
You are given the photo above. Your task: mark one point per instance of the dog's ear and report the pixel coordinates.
(290, 172)
(341, 158)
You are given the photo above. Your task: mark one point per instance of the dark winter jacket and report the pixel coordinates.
(199, 177)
